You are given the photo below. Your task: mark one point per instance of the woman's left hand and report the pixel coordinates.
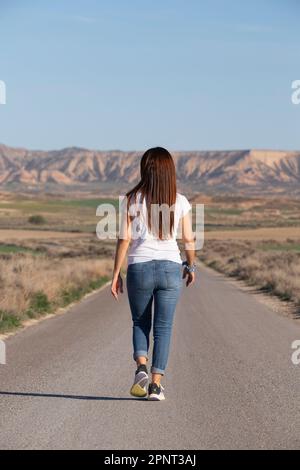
(190, 277)
(116, 286)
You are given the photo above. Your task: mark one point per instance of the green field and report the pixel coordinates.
(280, 247)
(6, 248)
(75, 214)
(53, 205)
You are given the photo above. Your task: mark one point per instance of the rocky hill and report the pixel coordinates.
(246, 171)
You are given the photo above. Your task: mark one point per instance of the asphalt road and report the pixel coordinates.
(230, 383)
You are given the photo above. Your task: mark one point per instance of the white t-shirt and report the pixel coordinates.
(145, 246)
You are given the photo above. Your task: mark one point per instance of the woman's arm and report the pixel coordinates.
(189, 247)
(121, 250)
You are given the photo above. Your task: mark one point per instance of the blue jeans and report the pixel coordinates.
(158, 282)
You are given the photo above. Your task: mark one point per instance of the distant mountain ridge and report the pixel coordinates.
(246, 170)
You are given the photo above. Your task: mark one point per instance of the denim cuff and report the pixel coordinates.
(155, 370)
(137, 354)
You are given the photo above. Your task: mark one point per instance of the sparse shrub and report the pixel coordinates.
(8, 321)
(39, 303)
(37, 219)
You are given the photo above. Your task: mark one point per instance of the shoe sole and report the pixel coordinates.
(139, 388)
(156, 398)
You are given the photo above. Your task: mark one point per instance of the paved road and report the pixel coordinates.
(230, 381)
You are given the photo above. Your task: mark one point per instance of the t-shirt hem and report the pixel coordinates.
(136, 259)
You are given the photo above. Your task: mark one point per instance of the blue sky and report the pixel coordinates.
(130, 74)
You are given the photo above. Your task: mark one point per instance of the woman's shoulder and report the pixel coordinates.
(135, 198)
(181, 197)
(183, 203)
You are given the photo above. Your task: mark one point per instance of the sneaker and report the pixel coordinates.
(139, 387)
(155, 392)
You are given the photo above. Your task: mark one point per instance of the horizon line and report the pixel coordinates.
(244, 149)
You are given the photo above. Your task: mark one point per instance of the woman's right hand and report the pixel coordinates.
(190, 277)
(116, 286)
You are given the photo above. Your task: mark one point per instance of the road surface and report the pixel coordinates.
(230, 383)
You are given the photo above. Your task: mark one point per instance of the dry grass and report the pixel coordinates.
(22, 276)
(18, 235)
(240, 213)
(271, 266)
(276, 233)
(48, 275)
(65, 246)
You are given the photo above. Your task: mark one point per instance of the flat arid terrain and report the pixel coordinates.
(50, 255)
(273, 233)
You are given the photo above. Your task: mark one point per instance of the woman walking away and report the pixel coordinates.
(153, 213)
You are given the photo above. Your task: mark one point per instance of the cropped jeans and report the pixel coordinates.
(155, 282)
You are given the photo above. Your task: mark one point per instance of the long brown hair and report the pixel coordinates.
(157, 186)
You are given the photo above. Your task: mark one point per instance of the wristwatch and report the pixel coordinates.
(190, 268)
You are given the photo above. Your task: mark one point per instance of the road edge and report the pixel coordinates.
(280, 307)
